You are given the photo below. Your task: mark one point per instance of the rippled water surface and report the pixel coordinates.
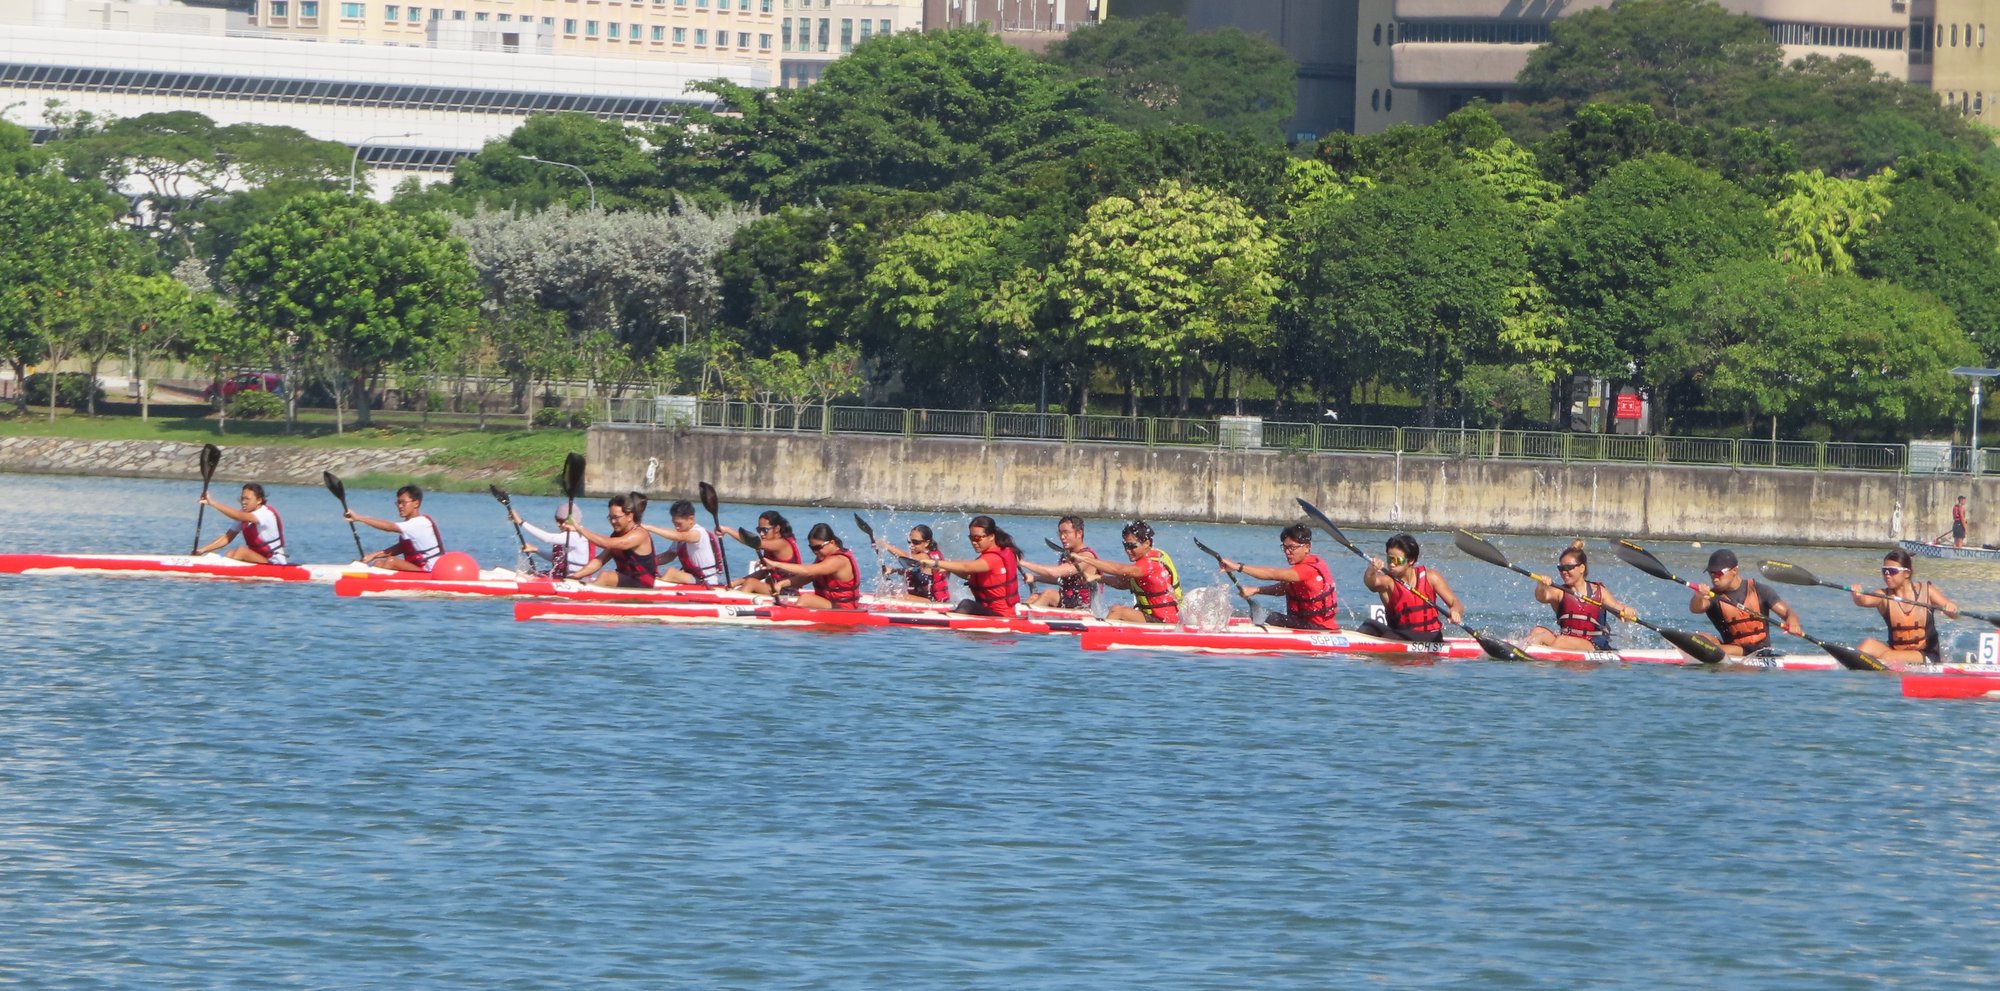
(244, 786)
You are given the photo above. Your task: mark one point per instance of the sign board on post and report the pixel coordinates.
(1629, 405)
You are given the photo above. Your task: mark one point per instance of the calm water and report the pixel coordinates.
(212, 786)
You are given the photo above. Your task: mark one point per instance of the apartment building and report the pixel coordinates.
(742, 32)
(813, 33)
(1028, 24)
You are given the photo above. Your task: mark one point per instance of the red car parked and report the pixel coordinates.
(270, 382)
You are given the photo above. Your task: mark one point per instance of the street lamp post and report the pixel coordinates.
(355, 163)
(579, 171)
(684, 327)
(1978, 376)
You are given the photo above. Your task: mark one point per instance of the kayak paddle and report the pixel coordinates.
(520, 539)
(340, 492)
(869, 532)
(210, 457)
(572, 479)
(1258, 614)
(1792, 574)
(1639, 557)
(1694, 645)
(1499, 650)
(712, 504)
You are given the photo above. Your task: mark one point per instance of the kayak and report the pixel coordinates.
(203, 566)
(771, 614)
(509, 585)
(171, 566)
(1246, 641)
(1964, 682)
(1970, 552)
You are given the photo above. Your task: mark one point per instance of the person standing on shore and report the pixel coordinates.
(419, 543)
(263, 532)
(1733, 602)
(1958, 522)
(566, 551)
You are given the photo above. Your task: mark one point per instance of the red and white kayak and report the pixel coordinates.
(171, 566)
(1240, 640)
(884, 614)
(1961, 682)
(508, 585)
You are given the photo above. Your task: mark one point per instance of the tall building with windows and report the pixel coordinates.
(735, 31)
(813, 33)
(1028, 24)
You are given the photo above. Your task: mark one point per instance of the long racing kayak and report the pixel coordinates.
(1041, 621)
(1953, 682)
(172, 566)
(1240, 640)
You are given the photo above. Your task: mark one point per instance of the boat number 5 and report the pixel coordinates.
(1989, 648)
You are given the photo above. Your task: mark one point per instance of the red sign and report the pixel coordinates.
(1628, 406)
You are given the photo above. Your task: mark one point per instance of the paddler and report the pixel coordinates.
(994, 577)
(836, 578)
(1579, 625)
(774, 543)
(1311, 602)
(1730, 601)
(419, 543)
(919, 583)
(628, 548)
(698, 551)
(1151, 576)
(566, 551)
(263, 532)
(1913, 635)
(1411, 594)
(1072, 590)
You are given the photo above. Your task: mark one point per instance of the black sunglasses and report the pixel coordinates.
(1568, 567)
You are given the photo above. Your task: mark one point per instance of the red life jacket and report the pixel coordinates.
(410, 552)
(932, 585)
(843, 594)
(636, 569)
(256, 540)
(1740, 625)
(1153, 590)
(998, 588)
(711, 575)
(1577, 618)
(1312, 600)
(1918, 629)
(1408, 610)
(1073, 592)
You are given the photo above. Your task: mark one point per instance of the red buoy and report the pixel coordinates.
(455, 566)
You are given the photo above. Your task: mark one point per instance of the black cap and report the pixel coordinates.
(1721, 560)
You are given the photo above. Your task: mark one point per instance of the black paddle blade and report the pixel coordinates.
(1790, 574)
(1058, 548)
(746, 540)
(333, 485)
(1499, 650)
(1475, 545)
(866, 530)
(1694, 645)
(500, 494)
(1327, 525)
(572, 475)
(1640, 558)
(1210, 551)
(708, 499)
(210, 457)
(1851, 659)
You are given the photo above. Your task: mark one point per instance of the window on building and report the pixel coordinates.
(413, 14)
(615, 30)
(659, 33)
(549, 22)
(458, 15)
(569, 26)
(507, 17)
(825, 32)
(867, 28)
(764, 42)
(354, 10)
(766, 8)
(1954, 36)
(479, 15)
(846, 35)
(590, 29)
(1375, 99)
(392, 12)
(785, 29)
(279, 8)
(700, 36)
(1378, 34)
(883, 27)
(743, 39)
(309, 9)
(680, 36)
(1388, 100)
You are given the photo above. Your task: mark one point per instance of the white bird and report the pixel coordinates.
(1332, 415)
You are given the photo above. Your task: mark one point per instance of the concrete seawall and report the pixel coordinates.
(1376, 491)
(174, 459)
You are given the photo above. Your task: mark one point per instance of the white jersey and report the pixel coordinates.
(573, 548)
(421, 544)
(263, 534)
(698, 556)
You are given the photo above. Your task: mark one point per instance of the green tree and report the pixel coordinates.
(938, 284)
(56, 243)
(924, 111)
(1819, 218)
(621, 168)
(1411, 281)
(1154, 71)
(1179, 275)
(1668, 54)
(1930, 243)
(361, 285)
(1647, 224)
(761, 279)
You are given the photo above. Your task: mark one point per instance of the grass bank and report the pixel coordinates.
(467, 459)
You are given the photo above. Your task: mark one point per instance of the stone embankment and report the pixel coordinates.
(173, 459)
